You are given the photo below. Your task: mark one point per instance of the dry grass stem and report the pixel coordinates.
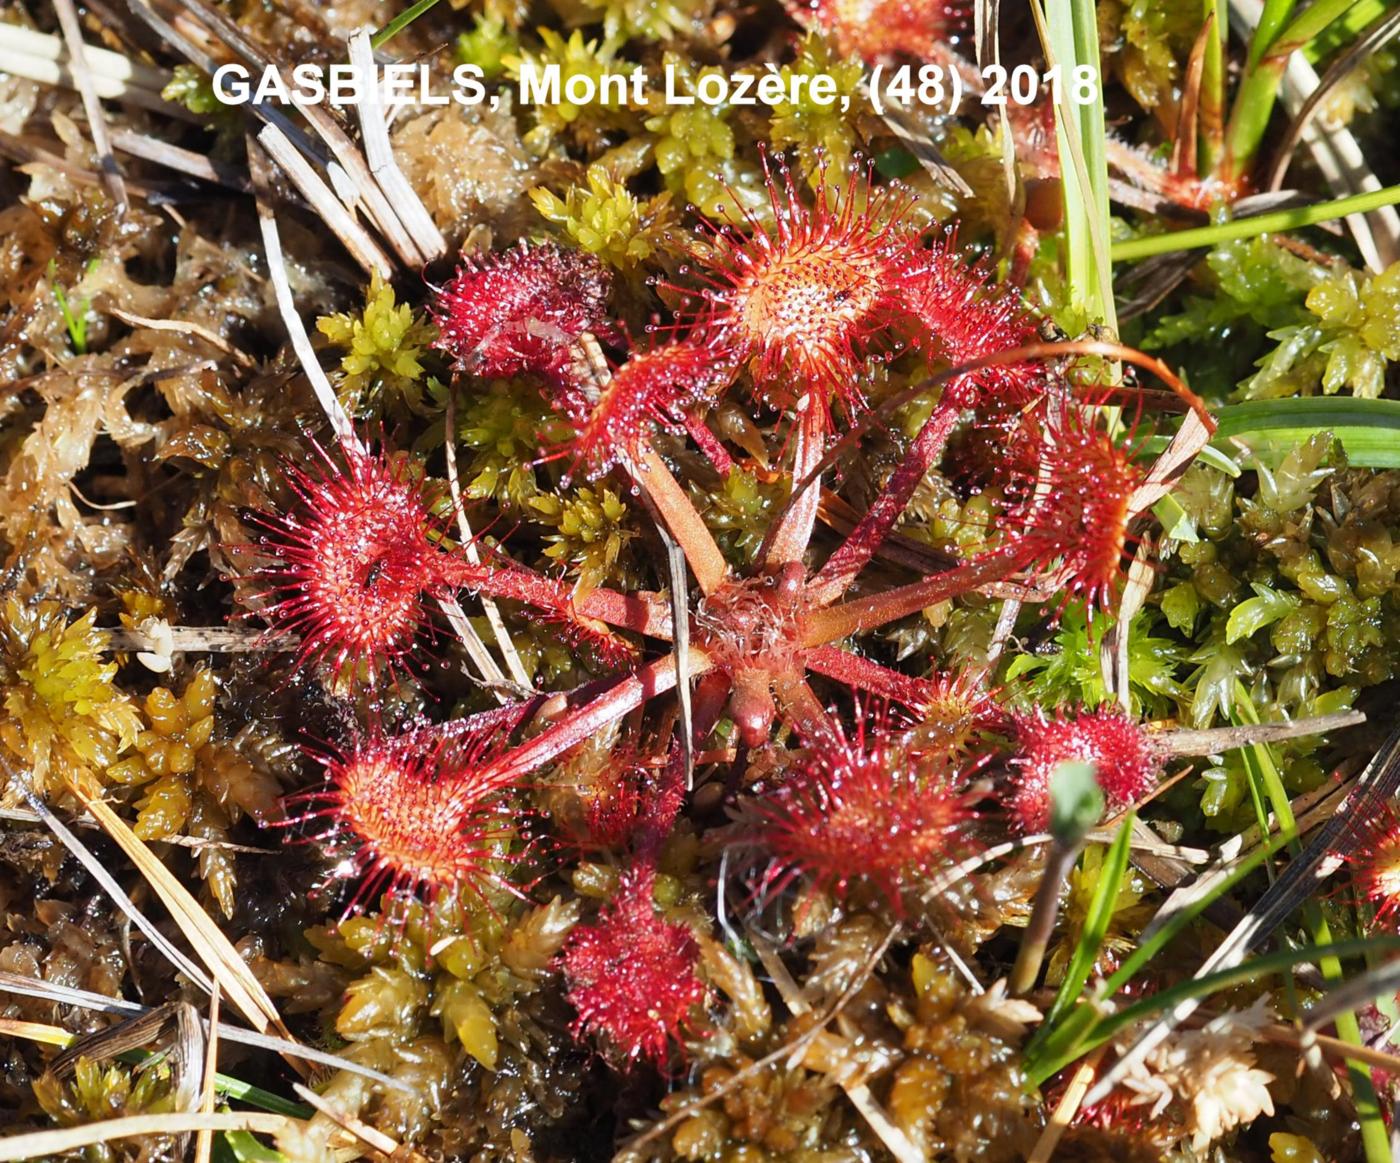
(41, 1144)
(374, 1139)
(514, 663)
(340, 421)
(92, 103)
(1067, 1108)
(331, 210)
(244, 991)
(185, 327)
(37, 56)
(422, 231)
(895, 1140)
(100, 1003)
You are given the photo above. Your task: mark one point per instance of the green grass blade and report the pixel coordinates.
(1254, 968)
(1096, 922)
(400, 22)
(1264, 774)
(1368, 430)
(1065, 1043)
(1070, 33)
(244, 1148)
(240, 1091)
(1276, 220)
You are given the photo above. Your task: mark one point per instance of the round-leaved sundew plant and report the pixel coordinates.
(1076, 490)
(416, 812)
(874, 807)
(1375, 861)
(809, 301)
(348, 568)
(521, 312)
(615, 415)
(883, 30)
(1126, 762)
(632, 976)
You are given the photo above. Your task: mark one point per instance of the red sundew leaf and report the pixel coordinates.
(1073, 490)
(809, 302)
(522, 311)
(652, 389)
(350, 565)
(549, 599)
(632, 976)
(1127, 764)
(876, 807)
(419, 808)
(962, 316)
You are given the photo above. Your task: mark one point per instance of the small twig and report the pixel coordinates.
(1332, 1048)
(100, 1003)
(371, 1137)
(1380, 32)
(476, 648)
(1001, 633)
(98, 871)
(894, 1139)
(20, 816)
(1067, 1108)
(92, 104)
(203, 640)
(37, 56)
(1213, 740)
(204, 1143)
(346, 167)
(184, 161)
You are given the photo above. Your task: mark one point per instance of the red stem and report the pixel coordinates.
(801, 709)
(643, 613)
(837, 622)
(843, 566)
(788, 539)
(706, 441)
(626, 694)
(853, 670)
(686, 525)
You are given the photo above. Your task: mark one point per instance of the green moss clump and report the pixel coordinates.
(1360, 322)
(65, 720)
(591, 531)
(648, 20)
(94, 1094)
(584, 124)
(487, 44)
(823, 134)
(452, 1000)
(193, 782)
(503, 427)
(381, 370)
(696, 150)
(1148, 45)
(605, 219)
